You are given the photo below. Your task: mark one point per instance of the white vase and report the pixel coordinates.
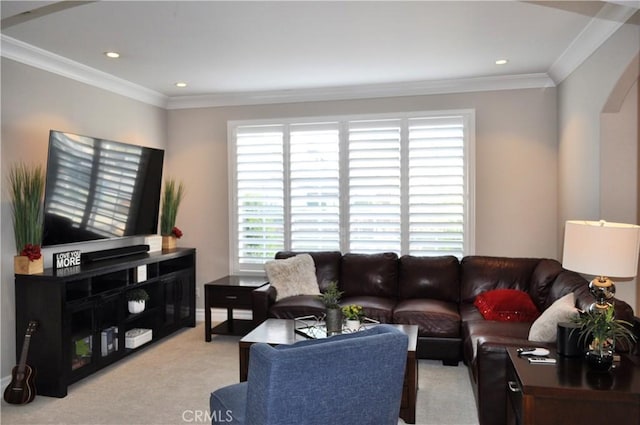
(352, 325)
(136, 307)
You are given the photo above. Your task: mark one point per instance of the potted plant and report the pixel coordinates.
(26, 187)
(171, 199)
(353, 314)
(331, 298)
(601, 331)
(137, 299)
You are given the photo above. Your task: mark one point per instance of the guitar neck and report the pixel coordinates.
(23, 355)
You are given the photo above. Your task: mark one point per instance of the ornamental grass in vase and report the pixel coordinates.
(601, 331)
(26, 188)
(171, 199)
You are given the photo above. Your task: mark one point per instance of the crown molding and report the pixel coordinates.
(602, 26)
(415, 88)
(39, 58)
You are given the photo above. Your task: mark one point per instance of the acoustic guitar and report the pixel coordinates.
(22, 390)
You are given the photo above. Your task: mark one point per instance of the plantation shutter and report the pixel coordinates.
(386, 183)
(374, 186)
(259, 192)
(314, 187)
(436, 186)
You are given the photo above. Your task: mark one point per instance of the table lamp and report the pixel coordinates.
(603, 250)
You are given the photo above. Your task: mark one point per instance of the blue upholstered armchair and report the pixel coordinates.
(343, 380)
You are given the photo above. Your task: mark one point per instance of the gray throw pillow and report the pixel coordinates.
(544, 329)
(293, 276)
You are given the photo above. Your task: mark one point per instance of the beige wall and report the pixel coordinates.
(598, 138)
(33, 102)
(619, 170)
(516, 168)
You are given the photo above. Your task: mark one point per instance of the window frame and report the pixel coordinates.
(469, 221)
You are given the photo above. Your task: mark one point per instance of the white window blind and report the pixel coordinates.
(374, 186)
(354, 184)
(314, 187)
(436, 186)
(259, 192)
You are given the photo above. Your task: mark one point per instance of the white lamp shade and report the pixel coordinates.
(600, 248)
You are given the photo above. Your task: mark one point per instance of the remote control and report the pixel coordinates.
(533, 352)
(541, 360)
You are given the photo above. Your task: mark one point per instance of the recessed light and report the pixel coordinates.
(181, 84)
(501, 62)
(112, 55)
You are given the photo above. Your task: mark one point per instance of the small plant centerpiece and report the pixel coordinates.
(601, 331)
(171, 199)
(26, 188)
(137, 299)
(331, 298)
(353, 314)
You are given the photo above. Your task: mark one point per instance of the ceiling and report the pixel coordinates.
(255, 52)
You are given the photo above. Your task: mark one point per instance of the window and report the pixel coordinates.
(401, 183)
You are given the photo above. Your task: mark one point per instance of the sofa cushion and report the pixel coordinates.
(327, 265)
(374, 275)
(376, 308)
(481, 274)
(435, 278)
(545, 328)
(481, 331)
(293, 276)
(297, 306)
(434, 318)
(542, 279)
(508, 305)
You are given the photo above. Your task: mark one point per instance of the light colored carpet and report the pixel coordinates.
(170, 382)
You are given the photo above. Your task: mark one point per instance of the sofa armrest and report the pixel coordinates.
(262, 299)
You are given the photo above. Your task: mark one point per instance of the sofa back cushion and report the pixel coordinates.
(436, 278)
(370, 274)
(545, 273)
(480, 274)
(327, 265)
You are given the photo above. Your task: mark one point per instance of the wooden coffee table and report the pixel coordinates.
(281, 331)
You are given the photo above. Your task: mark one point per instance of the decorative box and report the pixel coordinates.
(136, 337)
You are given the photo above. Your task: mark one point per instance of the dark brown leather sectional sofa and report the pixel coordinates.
(437, 294)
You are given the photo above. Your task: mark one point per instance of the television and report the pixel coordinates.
(99, 189)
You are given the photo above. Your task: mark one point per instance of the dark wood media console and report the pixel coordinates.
(79, 309)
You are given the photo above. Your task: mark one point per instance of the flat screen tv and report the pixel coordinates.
(99, 189)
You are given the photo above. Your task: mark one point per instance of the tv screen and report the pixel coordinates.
(99, 189)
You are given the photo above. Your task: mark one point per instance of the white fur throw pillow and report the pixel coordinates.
(293, 276)
(545, 328)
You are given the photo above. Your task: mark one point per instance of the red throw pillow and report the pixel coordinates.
(507, 305)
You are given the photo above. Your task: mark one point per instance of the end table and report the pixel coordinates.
(229, 292)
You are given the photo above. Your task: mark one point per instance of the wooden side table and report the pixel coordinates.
(229, 292)
(569, 393)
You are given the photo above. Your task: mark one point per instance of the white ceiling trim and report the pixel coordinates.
(415, 88)
(602, 26)
(47, 61)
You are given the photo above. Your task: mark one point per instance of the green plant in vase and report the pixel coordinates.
(171, 199)
(601, 330)
(26, 188)
(137, 299)
(353, 314)
(331, 298)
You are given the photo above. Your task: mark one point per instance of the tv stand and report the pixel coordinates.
(80, 309)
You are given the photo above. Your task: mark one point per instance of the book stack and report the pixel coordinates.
(109, 340)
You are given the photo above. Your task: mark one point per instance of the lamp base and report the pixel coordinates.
(603, 289)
